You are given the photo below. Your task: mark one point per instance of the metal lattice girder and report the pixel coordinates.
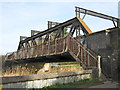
(22, 38)
(59, 32)
(34, 32)
(51, 23)
(79, 10)
(52, 29)
(75, 22)
(46, 37)
(84, 26)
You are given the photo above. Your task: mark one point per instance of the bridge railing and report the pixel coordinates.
(58, 46)
(52, 47)
(87, 58)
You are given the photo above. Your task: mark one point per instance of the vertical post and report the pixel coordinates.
(76, 33)
(36, 50)
(78, 51)
(48, 24)
(118, 23)
(79, 30)
(72, 44)
(42, 49)
(81, 56)
(55, 45)
(99, 67)
(88, 60)
(79, 12)
(62, 32)
(85, 58)
(48, 42)
(76, 11)
(22, 54)
(64, 44)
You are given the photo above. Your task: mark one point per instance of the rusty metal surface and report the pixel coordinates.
(85, 26)
(86, 56)
(61, 45)
(60, 30)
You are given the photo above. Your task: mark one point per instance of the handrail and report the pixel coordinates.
(82, 52)
(88, 50)
(59, 46)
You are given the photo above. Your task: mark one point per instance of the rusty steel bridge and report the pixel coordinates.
(61, 41)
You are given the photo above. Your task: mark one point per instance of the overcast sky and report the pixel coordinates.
(19, 18)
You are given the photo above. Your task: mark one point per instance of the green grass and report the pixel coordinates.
(85, 82)
(73, 66)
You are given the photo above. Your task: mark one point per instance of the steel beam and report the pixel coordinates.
(51, 23)
(75, 22)
(46, 37)
(34, 32)
(96, 14)
(58, 34)
(64, 24)
(23, 38)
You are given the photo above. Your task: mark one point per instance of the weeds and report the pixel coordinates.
(18, 70)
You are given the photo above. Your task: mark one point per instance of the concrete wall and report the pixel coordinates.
(105, 44)
(42, 80)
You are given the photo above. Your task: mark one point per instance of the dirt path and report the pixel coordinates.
(107, 84)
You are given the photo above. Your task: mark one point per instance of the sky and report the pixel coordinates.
(19, 18)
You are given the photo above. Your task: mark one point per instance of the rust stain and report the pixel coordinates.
(85, 26)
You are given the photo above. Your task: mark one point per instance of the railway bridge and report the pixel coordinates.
(63, 45)
(64, 42)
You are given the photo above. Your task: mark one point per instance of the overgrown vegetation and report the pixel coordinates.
(33, 68)
(80, 84)
(19, 70)
(73, 66)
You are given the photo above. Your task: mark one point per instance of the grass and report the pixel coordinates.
(73, 66)
(67, 63)
(18, 70)
(79, 84)
(28, 69)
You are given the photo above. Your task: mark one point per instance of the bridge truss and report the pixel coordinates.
(61, 38)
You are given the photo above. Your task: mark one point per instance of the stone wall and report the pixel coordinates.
(105, 44)
(42, 80)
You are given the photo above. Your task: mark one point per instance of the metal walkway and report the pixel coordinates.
(61, 44)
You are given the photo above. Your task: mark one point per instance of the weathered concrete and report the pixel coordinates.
(42, 80)
(46, 68)
(106, 43)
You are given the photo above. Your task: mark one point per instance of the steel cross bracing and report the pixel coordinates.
(61, 42)
(58, 31)
(79, 10)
